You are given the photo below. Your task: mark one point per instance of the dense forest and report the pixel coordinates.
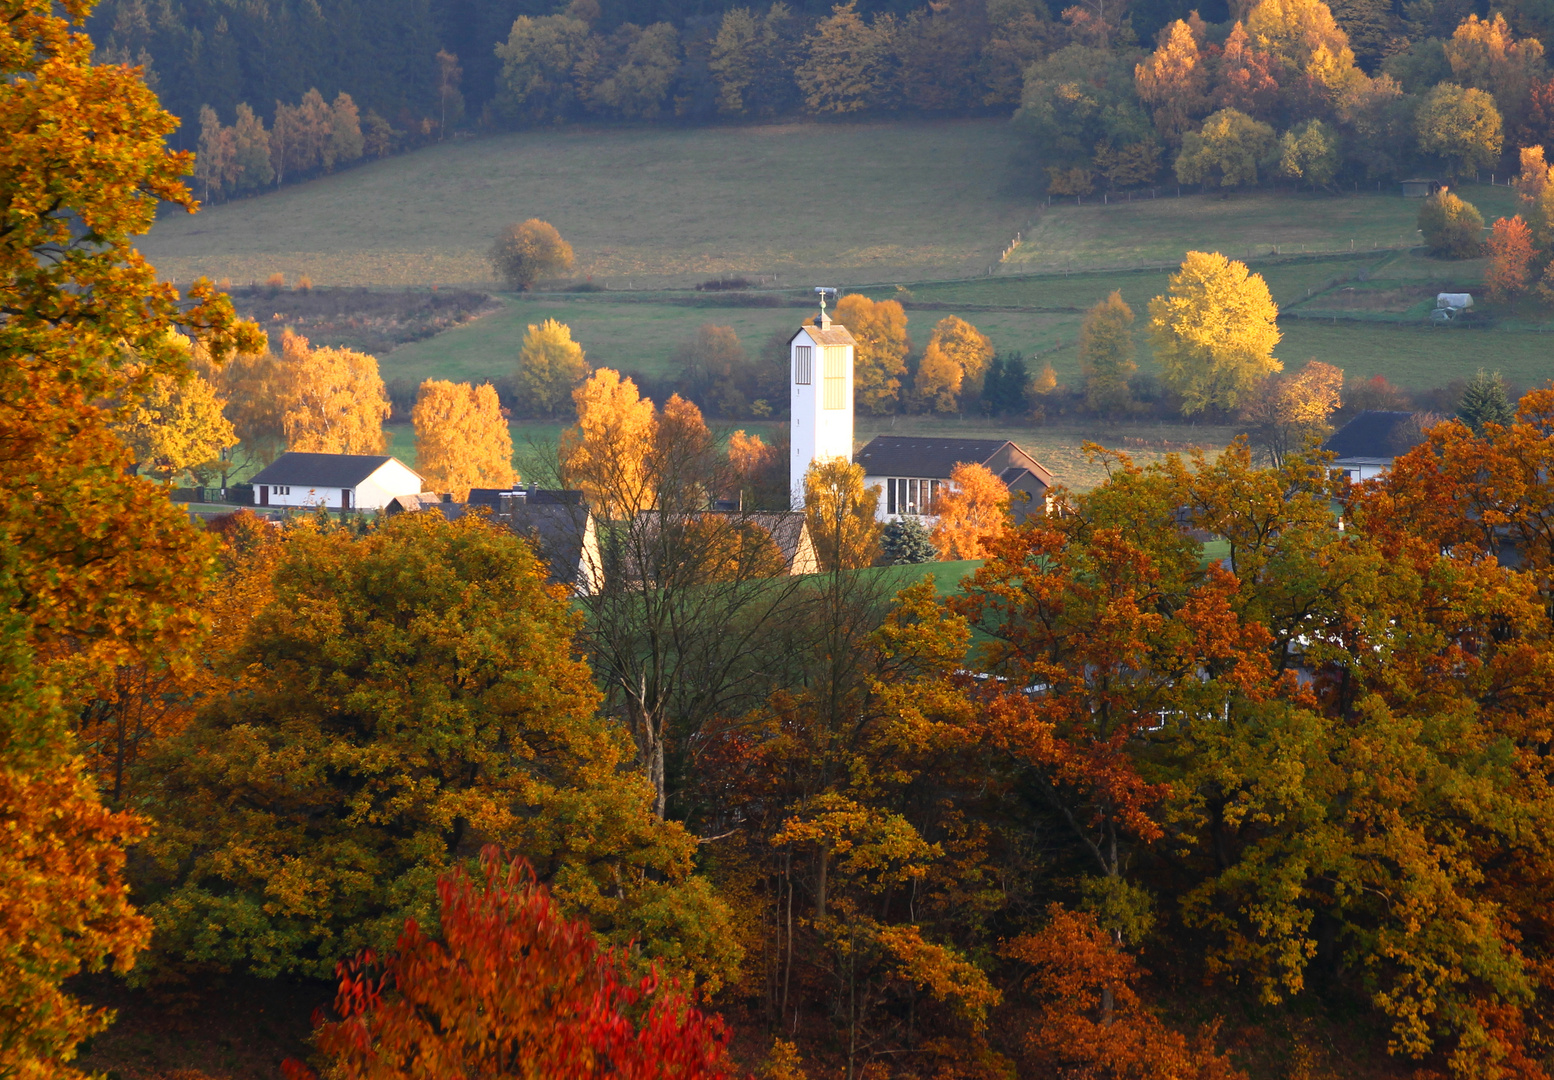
(1112, 95)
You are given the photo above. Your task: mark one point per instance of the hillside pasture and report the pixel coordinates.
(1251, 224)
(642, 207)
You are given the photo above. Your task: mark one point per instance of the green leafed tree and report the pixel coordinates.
(1485, 401)
(1106, 354)
(1228, 151)
(538, 57)
(1451, 226)
(1460, 126)
(407, 697)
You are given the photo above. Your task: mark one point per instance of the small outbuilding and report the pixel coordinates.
(334, 481)
(1421, 189)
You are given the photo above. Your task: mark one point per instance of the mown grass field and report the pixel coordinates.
(642, 207)
(1240, 224)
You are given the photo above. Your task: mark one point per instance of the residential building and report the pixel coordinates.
(910, 470)
(334, 481)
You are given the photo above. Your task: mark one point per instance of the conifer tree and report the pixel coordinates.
(907, 541)
(1484, 402)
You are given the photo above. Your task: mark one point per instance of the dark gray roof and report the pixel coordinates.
(909, 455)
(321, 470)
(1374, 433)
(492, 497)
(557, 531)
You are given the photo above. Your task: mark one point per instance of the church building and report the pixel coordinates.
(909, 470)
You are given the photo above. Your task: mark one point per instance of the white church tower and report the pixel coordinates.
(820, 371)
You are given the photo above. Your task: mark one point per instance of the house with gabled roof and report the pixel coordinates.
(910, 470)
(1366, 446)
(334, 481)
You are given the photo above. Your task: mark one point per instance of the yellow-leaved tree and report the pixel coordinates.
(879, 361)
(461, 439)
(550, 365)
(954, 364)
(607, 454)
(1288, 409)
(971, 510)
(840, 513)
(1214, 332)
(97, 568)
(332, 401)
(176, 424)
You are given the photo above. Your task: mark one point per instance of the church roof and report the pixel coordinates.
(936, 458)
(835, 334)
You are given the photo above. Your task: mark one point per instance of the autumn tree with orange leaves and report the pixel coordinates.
(509, 986)
(1511, 255)
(970, 511)
(103, 571)
(461, 438)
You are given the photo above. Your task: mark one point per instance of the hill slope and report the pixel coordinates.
(641, 207)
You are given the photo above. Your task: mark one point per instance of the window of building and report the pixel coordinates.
(281, 490)
(910, 498)
(836, 377)
(801, 363)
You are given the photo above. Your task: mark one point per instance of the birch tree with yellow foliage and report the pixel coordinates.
(550, 365)
(332, 401)
(461, 438)
(841, 515)
(879, 360)
(1214, 332)
(607, 453)
(1288, 410)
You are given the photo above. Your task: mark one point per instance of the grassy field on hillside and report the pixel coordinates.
(1242, 224)
(641, 207)
(1039, 315)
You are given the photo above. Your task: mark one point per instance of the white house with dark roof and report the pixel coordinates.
(1366, 446)
(334, 481)
(910, 469)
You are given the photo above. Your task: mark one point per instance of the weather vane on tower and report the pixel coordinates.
(823, 320)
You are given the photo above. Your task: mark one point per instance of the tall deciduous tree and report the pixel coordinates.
(524, 253)
(879, 361)
(954, 365)
(1290, 409)
(1511, 254)
(1461, 127)
(483, 729)
(970, 512)
(1451, 226)
(175, 424)
(841, 514)
(461, 439)
(513, 988)
(1226, 152)
(1174, 82)
(1214, 332)
(845, 62)
(101, 570)
(550, 366)
(332, 401)
(536, 84)
(344, 141)
(1106, 354)
(251, 150)
(607, 453)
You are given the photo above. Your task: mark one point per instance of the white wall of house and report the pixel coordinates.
(1357, 469)
(905, 506)
(822, 422)
(389, 481)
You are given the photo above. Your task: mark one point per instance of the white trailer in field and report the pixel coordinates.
(1450, 305)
